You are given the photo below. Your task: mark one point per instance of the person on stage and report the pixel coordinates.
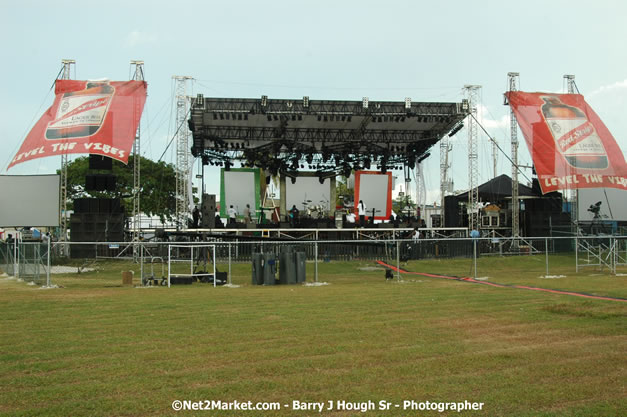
(232, 214)
(361, 210)
(293, 215)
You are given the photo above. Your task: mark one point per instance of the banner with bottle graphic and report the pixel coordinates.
(94, 117)
(569, 144)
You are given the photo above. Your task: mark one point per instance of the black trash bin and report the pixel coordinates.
(301, 266)
(269, 269)
(257, 275)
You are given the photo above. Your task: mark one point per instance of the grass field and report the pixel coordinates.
(94, 347)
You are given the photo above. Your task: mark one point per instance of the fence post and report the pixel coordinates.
(398, 261)
(576, 254)
(474, 256)
(546, 249)
(48, 268)
(141, 263)
(229, 280)
(316, 261)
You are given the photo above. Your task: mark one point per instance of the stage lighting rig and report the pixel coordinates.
(280, 135)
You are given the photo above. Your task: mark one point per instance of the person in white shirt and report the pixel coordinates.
(361, 210)
(232, 214)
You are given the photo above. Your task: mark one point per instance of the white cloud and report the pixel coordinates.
(137, 37)
(619, 85)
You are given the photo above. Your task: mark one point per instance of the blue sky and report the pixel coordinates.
(426, 50)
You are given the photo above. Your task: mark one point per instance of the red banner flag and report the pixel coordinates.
(95, 117)
(569, 144)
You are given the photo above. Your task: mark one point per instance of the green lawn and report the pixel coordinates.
(94, 347)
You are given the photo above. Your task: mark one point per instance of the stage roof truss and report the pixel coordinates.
(282, 135)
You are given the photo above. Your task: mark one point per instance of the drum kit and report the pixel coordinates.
(313, 211)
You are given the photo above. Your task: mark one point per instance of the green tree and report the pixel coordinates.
(157, 182)
(343, 191)
(401, 204)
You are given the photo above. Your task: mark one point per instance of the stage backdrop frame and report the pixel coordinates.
(369, 200)
(225, 195)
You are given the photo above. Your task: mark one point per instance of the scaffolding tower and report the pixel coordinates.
(512, 81)
(183, 167)
(445, 184)
(138, 75)
(572, 194)
(67, 66)
(472, 93)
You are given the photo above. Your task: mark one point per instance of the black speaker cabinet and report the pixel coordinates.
(100, 162)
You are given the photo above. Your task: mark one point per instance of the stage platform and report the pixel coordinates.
(275, 233)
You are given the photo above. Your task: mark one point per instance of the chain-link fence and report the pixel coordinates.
(481, 258)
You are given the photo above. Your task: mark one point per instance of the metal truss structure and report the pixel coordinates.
(183, 166)
(138, 76)
(572, 194)
(332, 137)
(472, 94)
(512, 82)
(63, 220)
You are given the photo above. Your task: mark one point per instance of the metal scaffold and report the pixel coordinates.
(138, 75)
(572, 194)
(63, 221)
(183, 167)
(512, 78)
(472, 93)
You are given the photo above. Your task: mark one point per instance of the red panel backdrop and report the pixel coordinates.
(96, 117)
(569, 144)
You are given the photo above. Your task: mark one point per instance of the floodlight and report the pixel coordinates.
(407, 103)
(264, 101)
(364, 102)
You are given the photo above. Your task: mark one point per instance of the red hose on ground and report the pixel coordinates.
(494, 284)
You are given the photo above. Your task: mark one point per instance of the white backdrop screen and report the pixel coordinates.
(374, 190)
(29, 200)
(309, 190)
(239, 190)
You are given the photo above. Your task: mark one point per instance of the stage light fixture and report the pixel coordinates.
(215, 116)
(456, 129)
(349, 118)
(306, 101)
(407, 103)
(319, 118)
(300, 117)
(221, 116)
(364, 102)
